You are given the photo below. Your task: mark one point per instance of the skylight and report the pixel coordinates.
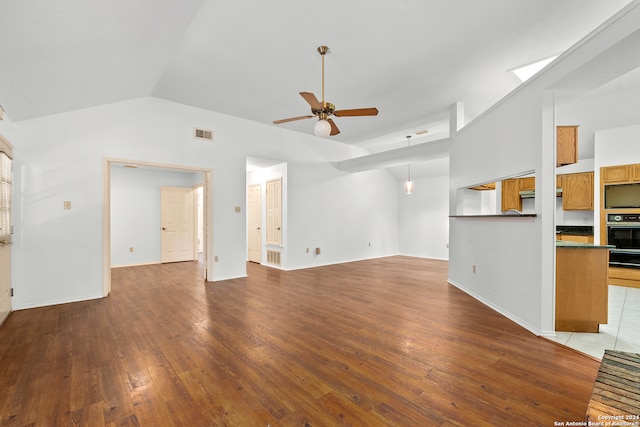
(525, 72)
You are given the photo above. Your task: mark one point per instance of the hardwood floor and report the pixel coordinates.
(370, 343)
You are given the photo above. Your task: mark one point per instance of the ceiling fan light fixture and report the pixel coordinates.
(322, 128)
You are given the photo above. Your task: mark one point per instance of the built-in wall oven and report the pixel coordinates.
(623, 231)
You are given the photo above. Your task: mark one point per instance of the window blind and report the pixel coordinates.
(5, 194)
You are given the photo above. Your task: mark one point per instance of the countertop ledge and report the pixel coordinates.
(495, 216)
(580, 245)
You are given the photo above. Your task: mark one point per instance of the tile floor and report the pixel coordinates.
(621, 333)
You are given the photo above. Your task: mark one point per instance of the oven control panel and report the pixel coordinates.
(623, 219)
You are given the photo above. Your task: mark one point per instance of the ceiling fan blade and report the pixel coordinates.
(311, 100)
(356, 112)
(291, 119)
(334, 128)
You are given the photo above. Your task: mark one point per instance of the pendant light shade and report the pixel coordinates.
(409, 185)
(322, 128)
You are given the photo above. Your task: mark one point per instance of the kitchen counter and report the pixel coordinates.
(575, 230)
(581, 245)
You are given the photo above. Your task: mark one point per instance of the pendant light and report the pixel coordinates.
(409, 185)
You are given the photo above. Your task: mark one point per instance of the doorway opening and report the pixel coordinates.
(201, 184)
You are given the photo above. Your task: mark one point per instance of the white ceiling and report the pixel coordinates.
(412, 59)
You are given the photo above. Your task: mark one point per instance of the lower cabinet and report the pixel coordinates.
(581, 288)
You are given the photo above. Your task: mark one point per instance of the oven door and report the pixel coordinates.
(624, 236)
(624, 258)
(626, 239)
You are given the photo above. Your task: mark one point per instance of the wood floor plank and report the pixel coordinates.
(377, 342)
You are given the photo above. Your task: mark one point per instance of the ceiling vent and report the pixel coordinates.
(203, 134)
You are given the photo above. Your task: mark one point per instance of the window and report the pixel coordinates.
(5, 194)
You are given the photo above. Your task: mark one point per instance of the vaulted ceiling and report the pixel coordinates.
(412, 59)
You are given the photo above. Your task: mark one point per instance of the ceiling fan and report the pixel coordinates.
(323, 110)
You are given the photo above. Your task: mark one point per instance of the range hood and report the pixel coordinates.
(530, 194)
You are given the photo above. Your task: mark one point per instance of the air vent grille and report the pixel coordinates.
(273, 257)
(203, 134)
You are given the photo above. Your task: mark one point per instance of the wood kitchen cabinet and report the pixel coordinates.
(484, 187)
(577, 191)
(581, 288)
(579, 238)
(615, 173)
(566, 145)
(527, 184)
(511, 195)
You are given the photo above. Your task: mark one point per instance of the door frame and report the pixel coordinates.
(207, 191)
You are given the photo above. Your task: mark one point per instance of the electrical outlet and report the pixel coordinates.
(473, 268)
(131, 249)
(215, 258)
(317, 251)
(67, 205)
(307, 250)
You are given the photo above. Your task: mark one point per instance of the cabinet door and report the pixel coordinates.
(574, 238)
(511, 195)
(527, 184)
(615, 173)
(577, 191)
(566, 145)
(635, 172)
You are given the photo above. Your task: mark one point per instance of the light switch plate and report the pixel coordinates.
(67, 205)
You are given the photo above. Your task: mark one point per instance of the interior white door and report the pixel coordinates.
(255, 223)
(177, 220)
(274, 211)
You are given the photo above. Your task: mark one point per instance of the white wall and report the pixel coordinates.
(57, 253)
(424, 218)
(340, 213)
(135, 212)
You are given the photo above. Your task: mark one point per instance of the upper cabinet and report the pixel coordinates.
(511, 194)
(567, 145)
(577, 191)
(484, 187)
(620, 173)
(616, 173)
(527, 184)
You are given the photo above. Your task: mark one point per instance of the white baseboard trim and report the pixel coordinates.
(302, 267)
(229, 277)
(55, 302)
(135, 265)
(499, 310)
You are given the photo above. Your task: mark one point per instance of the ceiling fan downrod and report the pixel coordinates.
(322, 50)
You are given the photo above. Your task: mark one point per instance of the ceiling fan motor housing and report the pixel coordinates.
(327, 108)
